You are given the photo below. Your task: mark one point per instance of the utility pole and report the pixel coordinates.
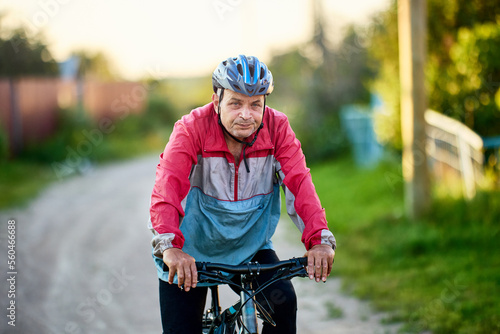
(412, 31)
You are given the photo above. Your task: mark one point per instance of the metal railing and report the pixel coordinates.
(454, 148)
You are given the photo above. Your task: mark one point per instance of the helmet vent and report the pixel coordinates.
(242, 74)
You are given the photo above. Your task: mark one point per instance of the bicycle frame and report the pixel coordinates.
(249, 310)
(212, 317)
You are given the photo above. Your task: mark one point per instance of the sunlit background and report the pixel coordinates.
(178, 38)
(89, 93)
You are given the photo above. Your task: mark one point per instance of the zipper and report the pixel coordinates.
(236, 171)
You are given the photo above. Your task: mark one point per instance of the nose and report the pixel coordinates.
(245, 113)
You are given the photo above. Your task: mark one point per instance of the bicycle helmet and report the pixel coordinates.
(243, 74)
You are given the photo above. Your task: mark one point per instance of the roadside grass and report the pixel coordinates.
(20, 181)
(441, 273)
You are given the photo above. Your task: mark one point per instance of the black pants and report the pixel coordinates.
(181, 311)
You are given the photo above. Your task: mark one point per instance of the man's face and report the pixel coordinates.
(240, 114)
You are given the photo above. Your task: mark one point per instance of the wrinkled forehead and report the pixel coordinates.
(229, 94)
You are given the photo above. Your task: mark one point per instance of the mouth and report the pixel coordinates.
(244, 125)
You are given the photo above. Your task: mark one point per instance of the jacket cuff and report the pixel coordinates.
(161, 242)
(327, 238)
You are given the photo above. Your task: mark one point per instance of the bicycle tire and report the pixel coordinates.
(225, 329)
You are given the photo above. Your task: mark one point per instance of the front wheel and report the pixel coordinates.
(222, 329)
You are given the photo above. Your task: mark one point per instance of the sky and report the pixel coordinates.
(166, 38)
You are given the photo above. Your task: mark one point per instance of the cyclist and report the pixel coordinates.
(216, 196)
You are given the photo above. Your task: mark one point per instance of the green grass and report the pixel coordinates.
(441, 273)
(21, 181)
(333, 311)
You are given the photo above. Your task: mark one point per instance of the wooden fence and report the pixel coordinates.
(29, 106)
(455, 152)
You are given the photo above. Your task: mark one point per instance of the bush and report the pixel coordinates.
(4, 149)
(70, 126)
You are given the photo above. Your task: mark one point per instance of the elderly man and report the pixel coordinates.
(216, 196)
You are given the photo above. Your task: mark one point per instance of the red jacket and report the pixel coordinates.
(197, 157)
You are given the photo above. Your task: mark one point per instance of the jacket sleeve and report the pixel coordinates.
(302, 199)
(171, 187)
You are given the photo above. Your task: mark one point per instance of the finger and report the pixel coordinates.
(330, 266)
(180, 277)
(195, 274)
(330, 263)
(171, 275)
(187, 278)
(325, 270)
(310, 267)
(317, 264)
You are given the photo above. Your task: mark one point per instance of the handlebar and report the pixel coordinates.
(252, 268)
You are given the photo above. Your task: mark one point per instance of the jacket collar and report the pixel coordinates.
(216, 140)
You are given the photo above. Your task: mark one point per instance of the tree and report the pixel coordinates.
(449, 24)
(21, 54)
(473, 75)
(95, 66)
(315, 80)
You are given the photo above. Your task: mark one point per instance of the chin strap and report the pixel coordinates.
(245, 143)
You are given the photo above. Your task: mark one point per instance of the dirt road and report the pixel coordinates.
(83, 263)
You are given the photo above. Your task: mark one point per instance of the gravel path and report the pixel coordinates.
(83, 262)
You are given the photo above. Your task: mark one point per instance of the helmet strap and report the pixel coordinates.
(221, 94)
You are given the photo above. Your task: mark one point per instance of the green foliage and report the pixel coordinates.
(462, 65)
(160, 112)
(140, 133)
(469, 93)
(21, 54)
(439, 274)
(71, 127)
(292, 75)
(4, 149)
(95, 66)
(186, 94)
(312, 91)
(383, 51)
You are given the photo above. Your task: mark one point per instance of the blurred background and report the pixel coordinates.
(87, 83)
